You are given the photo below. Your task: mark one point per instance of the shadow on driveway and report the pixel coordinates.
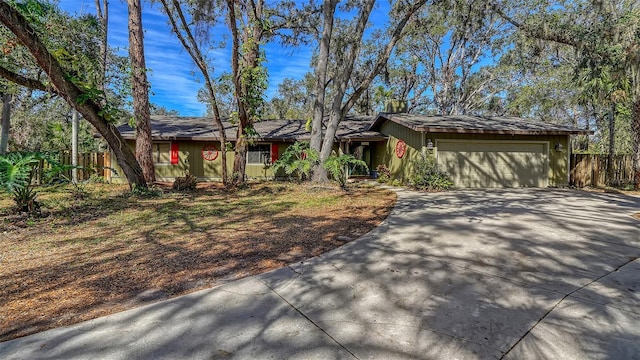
(522, 274)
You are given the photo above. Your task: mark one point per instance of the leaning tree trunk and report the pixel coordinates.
(90, 110)
(140, 92)
(182, 30)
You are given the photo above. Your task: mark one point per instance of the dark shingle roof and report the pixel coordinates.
(476, 125)
(363, 128)
(204, 129)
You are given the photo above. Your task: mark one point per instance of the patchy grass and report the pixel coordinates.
(109, 251)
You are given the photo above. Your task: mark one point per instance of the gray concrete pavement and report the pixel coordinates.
(514, 274)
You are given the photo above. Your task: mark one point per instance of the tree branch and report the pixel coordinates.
(384, 57)
(538, 32)
(25, 81)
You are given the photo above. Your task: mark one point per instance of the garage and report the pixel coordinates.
(490, 164)
(477, 151)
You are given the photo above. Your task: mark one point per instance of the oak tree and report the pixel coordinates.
(340, 44)
(66, 82)
(606, 37)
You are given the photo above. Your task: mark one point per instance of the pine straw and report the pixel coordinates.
(110, 252)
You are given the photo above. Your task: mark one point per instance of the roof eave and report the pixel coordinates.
(501, 132)
(363, 138)
(379, 119)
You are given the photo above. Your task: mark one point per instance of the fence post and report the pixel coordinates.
(107, 164)
(74, 146)
(588, 170)
(572, 170)
(594, 171)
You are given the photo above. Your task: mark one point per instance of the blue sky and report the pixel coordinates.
(173, 75)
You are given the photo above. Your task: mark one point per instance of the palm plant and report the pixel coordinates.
(16, 173)
(338, 166)
(297, 160)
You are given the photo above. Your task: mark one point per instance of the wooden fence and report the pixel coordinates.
(586, 169)
(90, 164)
(591, 170)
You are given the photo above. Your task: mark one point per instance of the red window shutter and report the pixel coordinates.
(175, 150)
(274, 152)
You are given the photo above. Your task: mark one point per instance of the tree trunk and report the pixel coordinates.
(328, 11)
(340, 83)
(245, 59)
(90, 110)
(324, 142)
(330, 135)
(221, 132)
(335, 117)
(140, 91)
(635, 133)
(240, 160)
(612, 139)
(102, 11)
(6, 123)
(182, 30)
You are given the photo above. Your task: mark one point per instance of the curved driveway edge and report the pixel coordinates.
(483, 274)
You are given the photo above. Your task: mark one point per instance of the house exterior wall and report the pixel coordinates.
(385, 152)
(190, 160)
(189, 154)
(558, 161)
(558, 169)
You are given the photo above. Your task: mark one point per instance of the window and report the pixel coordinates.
(259, 154)
(161, 153)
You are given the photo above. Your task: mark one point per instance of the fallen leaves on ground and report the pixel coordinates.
(110, 251)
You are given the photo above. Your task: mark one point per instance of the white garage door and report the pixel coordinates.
(479, 164)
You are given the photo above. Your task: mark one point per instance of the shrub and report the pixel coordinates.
(297, 161)
(25, 198)
(426, 175)
(384, 174)
(16, 173)
(145, 192)
(337, 167)
(187, 182)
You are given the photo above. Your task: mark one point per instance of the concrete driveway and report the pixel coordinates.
(513, 274)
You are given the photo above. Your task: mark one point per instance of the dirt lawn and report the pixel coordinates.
(110, 251)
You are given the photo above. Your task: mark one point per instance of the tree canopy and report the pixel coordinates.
(566, 61)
